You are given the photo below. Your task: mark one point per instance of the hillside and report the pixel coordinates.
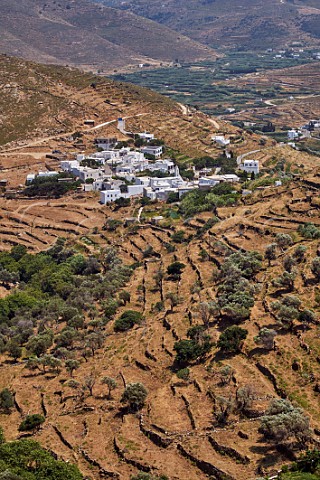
(179, 433)
(71, 269)
(299, 101)
(89, 36)
(251, 24)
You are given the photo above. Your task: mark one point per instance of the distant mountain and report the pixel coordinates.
(233, 23)
(89, 35)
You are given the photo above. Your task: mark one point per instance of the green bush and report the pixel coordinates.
(183, 374)
(231, 339)
(127, 320)
(28, 460)
(31, 422)
(6, 400)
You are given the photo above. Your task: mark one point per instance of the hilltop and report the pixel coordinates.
(250, 24)
(89, 36)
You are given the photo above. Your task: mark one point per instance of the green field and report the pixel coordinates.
(199, 85)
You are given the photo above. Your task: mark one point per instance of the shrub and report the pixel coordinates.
(283, 421)
(195, 348)
(231, 339)
(6, 400)
(30, 461)
(134, 396)
(178, 237)
(175, 269)
(127, 320)
(315, 267)
(309, 230)
(183, 374)
(31, 422)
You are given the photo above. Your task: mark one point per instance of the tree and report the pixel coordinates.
(124, 297)
(299, 253)
(307, 316)
(309, 230)
(31, 422)
(286, 280)
(94, 341)
(122, 202)
(231, 339)
(158, 278)
(111, 384)
(244, 397)
(198, 345)
(226, 373)
(287, 310)
(206, 311)
(89, 383)
(30, 461)
(174, 300)
(6, 400)
(271, 252)
(72, 365)
(134, 396)
(8, 278)
(266, 338)
(127, 320)
(39, 344)
(283, 421)
(50, 361)
(175, 269)
(223, 408)
(283, 240)
(315, 267)
(289, 262)
(14, 349)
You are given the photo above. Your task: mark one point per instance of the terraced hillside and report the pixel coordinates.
(189, 277)
(177, 433)
(299, 101)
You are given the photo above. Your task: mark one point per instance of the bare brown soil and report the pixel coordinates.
(174, 433)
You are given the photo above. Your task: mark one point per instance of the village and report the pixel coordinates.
(119, 171)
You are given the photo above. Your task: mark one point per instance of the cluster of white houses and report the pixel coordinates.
(126, 173)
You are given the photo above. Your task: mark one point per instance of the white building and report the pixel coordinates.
(107, 196)
(105, 143)
(69, 165)
(293, 134)
(146, 136)
(221, 140)
(165, 166)
(250, 166)
(30, 178)
(156, 151)
(85, 173)
(47, 174)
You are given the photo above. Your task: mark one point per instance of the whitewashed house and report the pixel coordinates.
(250, 166)
(156, 151)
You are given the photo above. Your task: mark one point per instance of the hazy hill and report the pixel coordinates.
(91, 36)
(249, 24)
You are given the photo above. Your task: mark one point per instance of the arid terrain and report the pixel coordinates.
(294, 108)
(176, 433)
(229, 24)
(90, 36)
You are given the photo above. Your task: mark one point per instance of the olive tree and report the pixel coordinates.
(134, 396)
(283, 421)
(111, 384)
